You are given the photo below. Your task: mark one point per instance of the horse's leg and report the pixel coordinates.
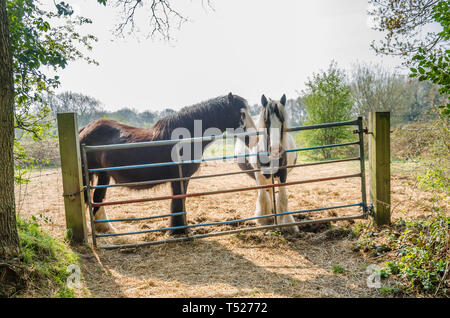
(178, 205)
(99, 212)
(282, 206)
(263, 202)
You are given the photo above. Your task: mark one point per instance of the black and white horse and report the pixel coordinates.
(270, 160)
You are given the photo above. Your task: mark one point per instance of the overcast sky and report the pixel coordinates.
(248, 47)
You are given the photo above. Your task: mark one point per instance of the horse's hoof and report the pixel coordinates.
(104, 228)
(291, 229)
(178, 232)
(265, 221)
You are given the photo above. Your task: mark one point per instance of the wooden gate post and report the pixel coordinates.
(72, 177)
(379, 166)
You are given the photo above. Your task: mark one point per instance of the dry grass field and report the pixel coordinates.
(250, 264)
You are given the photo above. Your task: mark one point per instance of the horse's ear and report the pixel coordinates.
(263, 101)
(283, 100)
(230, 98)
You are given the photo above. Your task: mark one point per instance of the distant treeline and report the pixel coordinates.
(372, 87)
(89, 109)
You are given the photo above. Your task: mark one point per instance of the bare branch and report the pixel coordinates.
(161, 15)
(404, 23)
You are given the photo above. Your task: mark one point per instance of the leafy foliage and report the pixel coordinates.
(424, 261)
(404, 24)
(435, 65)
(420, 256)
(426, 53)
(42, 42)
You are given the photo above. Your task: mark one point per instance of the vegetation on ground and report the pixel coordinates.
(42, 266)
(415, 251)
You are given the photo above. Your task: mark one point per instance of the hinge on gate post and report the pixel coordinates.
(365, 130)
(71, 196)
(368, 210)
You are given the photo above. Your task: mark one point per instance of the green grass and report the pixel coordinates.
(46, 258)
(338, 269)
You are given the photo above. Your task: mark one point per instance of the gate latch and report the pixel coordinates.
(368, 209)
(365, 130)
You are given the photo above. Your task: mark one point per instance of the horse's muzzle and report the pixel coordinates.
(275, 153)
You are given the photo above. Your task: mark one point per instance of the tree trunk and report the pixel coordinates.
(9, 240)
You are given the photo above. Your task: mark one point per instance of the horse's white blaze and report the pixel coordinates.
(275, 134)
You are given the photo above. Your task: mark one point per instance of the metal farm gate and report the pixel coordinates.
(365, 209)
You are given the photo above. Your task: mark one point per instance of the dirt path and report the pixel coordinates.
(252, 264)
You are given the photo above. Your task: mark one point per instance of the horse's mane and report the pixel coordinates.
(221, 112)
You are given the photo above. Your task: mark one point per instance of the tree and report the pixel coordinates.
(148, 117)
(9, 241)
(166, 112)
(161, 16)
(374, 88)
(254, 110)
(425, 52)
(434, 65)
(421, 100)
(296, 111)
(30, 44)
(42, 41)
(327, 98)
(377, 89)
(86, 107)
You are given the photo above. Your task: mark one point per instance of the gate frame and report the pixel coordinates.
(379, 170)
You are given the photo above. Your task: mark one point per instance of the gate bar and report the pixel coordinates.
(171, 163)
(231, 221)
(140, 219)
(263, 227)
(182, 196)
(131, 184)
(209, 138)
(157, 143)
(362, 169)
(88, 194)
(325, 125)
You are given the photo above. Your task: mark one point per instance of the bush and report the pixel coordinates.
(424, 262)
(327, 99)
(45, 259)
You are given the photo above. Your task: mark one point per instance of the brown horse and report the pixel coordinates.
(219, 114)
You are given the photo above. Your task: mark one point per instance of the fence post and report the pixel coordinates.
(379, 165)
(72, 177)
